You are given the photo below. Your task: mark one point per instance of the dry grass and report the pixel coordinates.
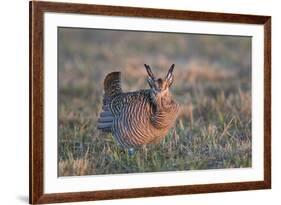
(212, 84)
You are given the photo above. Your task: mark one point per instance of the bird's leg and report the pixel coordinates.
(131, 151)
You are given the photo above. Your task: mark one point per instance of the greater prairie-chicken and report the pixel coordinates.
(141, 117)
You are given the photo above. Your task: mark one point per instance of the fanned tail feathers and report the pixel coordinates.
(112, 87)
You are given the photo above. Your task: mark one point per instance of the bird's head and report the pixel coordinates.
(160, 86)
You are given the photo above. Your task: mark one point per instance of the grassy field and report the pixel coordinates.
(212, 85)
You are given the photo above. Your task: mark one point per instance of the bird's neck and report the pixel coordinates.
(164, 111)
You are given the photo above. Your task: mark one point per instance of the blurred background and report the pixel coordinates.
(212, 84)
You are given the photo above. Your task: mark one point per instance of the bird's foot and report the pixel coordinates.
(131, 151)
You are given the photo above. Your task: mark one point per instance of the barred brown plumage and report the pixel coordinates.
(141, 117)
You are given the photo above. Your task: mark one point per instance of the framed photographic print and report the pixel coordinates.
(134, 102)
